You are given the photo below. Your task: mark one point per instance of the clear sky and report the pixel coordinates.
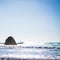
(30, 21)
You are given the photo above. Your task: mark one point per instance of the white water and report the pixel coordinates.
(30, 52)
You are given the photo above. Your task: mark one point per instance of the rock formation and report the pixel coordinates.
(10, 41)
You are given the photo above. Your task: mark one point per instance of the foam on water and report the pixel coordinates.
(29, 52)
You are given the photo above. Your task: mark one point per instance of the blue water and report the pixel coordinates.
(47, 51)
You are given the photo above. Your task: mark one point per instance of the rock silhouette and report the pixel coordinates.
(10, 41)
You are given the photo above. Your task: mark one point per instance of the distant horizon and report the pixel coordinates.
(30, 21)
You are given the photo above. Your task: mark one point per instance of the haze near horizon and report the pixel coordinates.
(30, 21)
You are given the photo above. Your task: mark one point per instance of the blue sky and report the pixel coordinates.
(30, 21)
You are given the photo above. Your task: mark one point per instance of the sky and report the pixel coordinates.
(30, 21)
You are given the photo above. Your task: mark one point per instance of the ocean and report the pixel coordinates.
(49, 51)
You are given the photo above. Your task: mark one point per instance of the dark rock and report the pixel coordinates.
(10, 41)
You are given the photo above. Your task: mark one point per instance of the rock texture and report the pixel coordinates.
(10, 41)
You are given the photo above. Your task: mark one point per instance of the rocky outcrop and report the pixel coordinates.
(10, 41)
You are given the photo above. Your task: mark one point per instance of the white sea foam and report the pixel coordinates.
(27, 56)
(28, 53)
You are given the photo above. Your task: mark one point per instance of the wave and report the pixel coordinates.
(40, 52)
(53, 43)
(28, 57)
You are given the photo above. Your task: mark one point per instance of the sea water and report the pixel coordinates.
(16, 52)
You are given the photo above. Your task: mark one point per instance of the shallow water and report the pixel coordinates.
(29, 52)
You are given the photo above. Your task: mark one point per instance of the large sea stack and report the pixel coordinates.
(10, 41)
